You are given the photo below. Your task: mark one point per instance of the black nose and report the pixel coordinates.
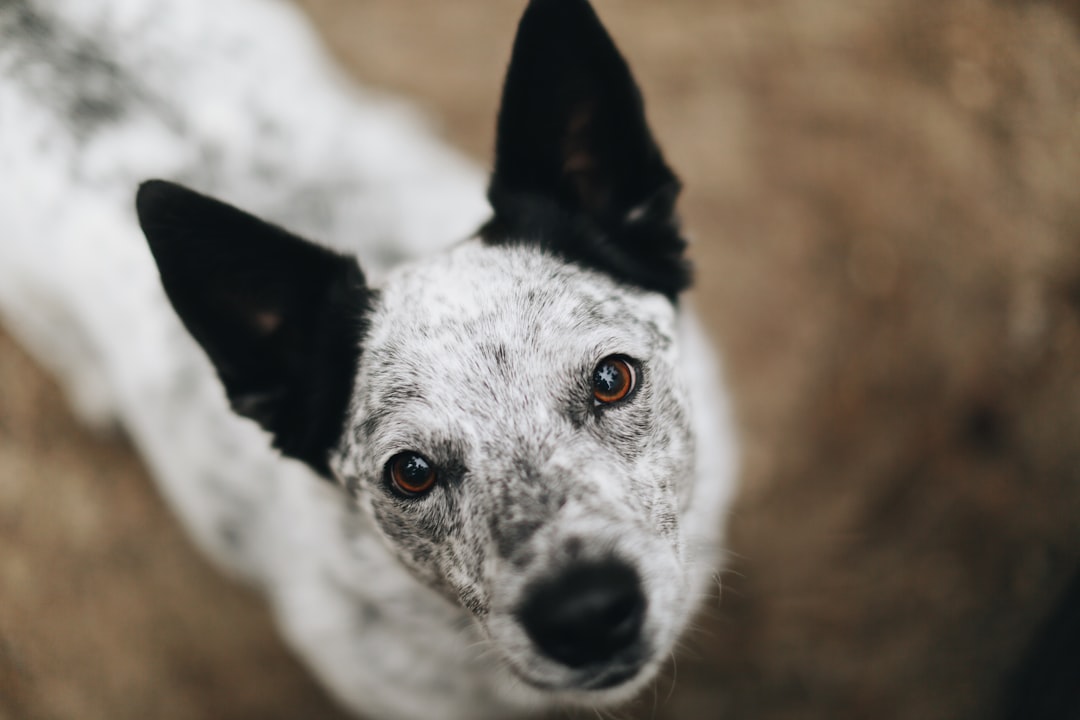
(586, 614)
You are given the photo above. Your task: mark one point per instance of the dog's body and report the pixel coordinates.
(476, 358)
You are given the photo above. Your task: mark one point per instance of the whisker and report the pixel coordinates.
(674, 677)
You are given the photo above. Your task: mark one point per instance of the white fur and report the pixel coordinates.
(236, 99)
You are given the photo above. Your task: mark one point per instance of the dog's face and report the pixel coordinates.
(520, 436)
(510, 414)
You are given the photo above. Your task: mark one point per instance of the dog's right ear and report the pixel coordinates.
(280, 318)
(576, 167)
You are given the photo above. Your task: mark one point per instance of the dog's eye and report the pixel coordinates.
(613, 380)
(411, 474)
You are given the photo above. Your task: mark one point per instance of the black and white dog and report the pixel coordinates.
(501, 463)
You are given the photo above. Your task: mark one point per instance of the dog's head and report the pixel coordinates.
(509, 414)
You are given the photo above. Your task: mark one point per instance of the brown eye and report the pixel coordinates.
(411, 474)
(613, 380)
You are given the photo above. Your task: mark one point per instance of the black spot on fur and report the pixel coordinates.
(398, 394)
(525, 502)
(576, 168)
(498, 353)
(370, 424)
(281, 318)
(65, 68)
(510, 538)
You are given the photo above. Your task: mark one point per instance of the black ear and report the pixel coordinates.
(576, 167)
(280, 318)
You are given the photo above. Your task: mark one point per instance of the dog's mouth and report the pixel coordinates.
(613, 677)
(608, 676)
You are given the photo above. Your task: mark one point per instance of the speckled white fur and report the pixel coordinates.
(236, 99)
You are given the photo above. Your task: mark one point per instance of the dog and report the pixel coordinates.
(475, 455)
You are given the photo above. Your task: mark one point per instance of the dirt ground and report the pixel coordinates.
(885, 199)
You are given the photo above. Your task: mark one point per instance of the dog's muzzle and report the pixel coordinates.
(589, 618)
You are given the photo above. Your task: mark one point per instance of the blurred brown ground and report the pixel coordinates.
(886, 203)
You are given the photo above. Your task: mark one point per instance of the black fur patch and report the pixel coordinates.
(576, 167)
(281, 318)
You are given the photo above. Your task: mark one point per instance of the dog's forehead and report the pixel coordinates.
(515, 311)
(476, 294)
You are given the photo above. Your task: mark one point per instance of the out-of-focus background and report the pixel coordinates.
(885, 199)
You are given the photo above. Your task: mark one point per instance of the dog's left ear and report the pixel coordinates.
(280, 318)
(576, 168)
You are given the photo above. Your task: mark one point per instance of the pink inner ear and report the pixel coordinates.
(579, 163)
(576, 145)
(266, 322)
